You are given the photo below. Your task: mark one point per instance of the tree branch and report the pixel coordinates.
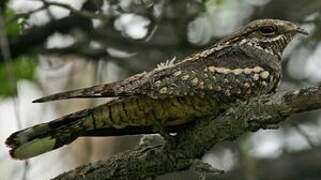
(35, 37)
(148, 161)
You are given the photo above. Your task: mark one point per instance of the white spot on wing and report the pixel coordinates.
(247, 85)
(256, 77)
(163, 90)
(195, 81)
(211, 68)
(185, 77)
(264, 83)
(264, 74)
(158, 83)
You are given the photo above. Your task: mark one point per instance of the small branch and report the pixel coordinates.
(191, 143)
(304, 134)
(35, 37)
(84, 13)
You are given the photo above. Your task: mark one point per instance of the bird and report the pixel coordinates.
(241, 66)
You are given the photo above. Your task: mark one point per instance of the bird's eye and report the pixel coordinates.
(268, 30)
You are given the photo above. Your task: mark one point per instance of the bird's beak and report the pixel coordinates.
(301, 30)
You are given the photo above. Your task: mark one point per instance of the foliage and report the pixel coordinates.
(12, 25)
(10, 73)
(18, 68)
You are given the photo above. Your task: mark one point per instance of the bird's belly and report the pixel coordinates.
(145, 111)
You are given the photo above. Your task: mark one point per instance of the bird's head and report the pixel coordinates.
(272, 35)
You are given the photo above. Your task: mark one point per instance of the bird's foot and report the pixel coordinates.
(151, 140)
(161, 129)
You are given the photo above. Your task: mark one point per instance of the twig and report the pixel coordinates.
(305, 135)
(82, 13)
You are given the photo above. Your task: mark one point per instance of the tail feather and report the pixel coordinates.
(46, 137)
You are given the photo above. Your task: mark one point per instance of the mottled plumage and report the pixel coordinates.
(243, 65)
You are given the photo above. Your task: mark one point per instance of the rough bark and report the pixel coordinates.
(182, 151)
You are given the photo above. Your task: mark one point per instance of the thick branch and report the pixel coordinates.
(180, 152)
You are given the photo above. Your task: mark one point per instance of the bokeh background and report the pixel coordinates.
(66, 44)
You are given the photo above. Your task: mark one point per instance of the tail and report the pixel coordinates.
(117, 117)
(46, 137)
(132, 115)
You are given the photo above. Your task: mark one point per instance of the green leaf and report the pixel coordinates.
(10, 73)
(12, 26)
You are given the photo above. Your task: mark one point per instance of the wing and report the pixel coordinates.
(120, 88)
(232, 72)
(235, 73)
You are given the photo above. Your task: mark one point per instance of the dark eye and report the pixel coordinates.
(267, 30)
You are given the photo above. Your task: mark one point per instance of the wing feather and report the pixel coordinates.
(124, 87)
